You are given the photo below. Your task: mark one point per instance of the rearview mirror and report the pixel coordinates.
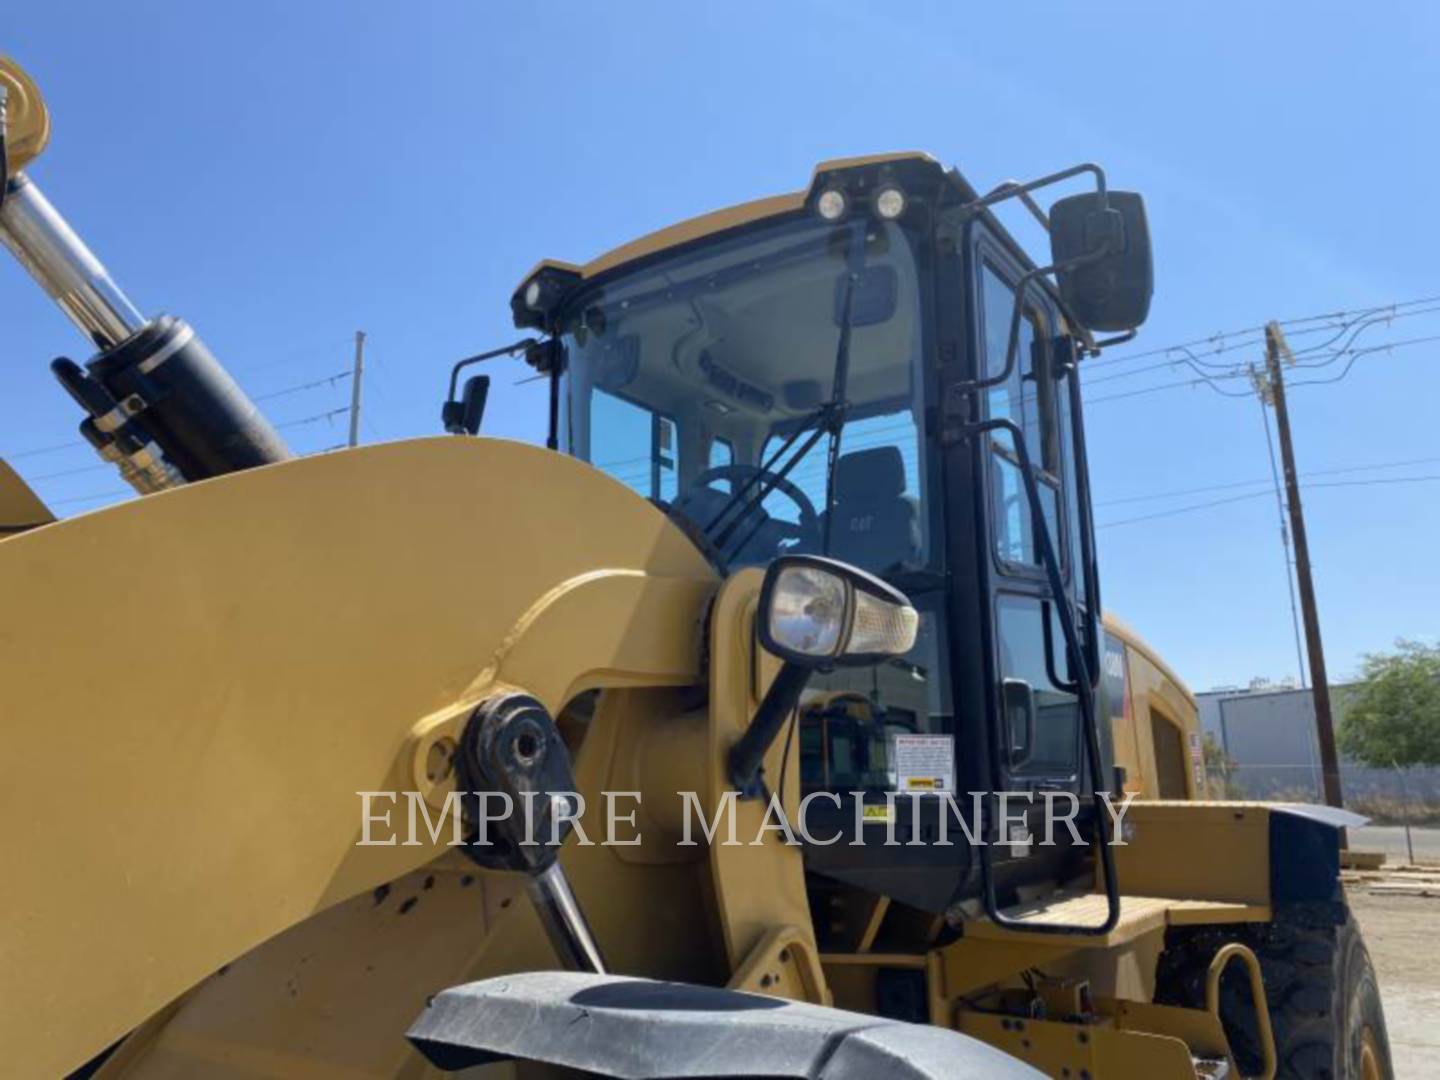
(1100, 245)
(873, 292)
(463, 417)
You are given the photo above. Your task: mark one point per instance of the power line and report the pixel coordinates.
(37, 451)
(20, 455)
(1266, 480)
(328, 380)
(1260, 494)
(1220, 338)
(1376, 481)
(1210, 380)
(67, 472)
(1183, 509)
(1197, 361)
(1356, 354)
(316, 418)
(318, 348)
(91, 497)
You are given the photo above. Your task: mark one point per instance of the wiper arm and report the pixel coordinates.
(828, 418)
(767, 477)
(838, 387)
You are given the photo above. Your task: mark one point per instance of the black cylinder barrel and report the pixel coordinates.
(169, 382)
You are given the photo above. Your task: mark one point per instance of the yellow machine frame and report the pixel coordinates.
(199, 689)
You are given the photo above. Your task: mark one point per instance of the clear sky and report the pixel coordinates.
(284, 173)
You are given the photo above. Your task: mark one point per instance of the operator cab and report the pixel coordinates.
(873, 370)
(695, 381)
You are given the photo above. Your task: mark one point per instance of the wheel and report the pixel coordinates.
(1319, 983)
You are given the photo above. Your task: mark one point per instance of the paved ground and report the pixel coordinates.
(1401, 934)
(1391, 840)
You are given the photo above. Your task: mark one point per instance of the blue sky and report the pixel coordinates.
(282, 174)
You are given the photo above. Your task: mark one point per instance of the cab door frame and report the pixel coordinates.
(979, 579)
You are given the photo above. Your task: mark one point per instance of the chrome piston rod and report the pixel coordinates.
(564, 922)
(64, 267)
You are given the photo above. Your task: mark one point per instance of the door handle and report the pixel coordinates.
(1017, 698)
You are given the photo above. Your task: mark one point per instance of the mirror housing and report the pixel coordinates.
(1100, 245)
(463, 417)
(873, 296)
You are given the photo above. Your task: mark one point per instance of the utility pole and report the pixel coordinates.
(355, 378)
(1262, 393)
(1277, 348)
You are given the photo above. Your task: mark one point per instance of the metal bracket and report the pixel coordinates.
(511, 747)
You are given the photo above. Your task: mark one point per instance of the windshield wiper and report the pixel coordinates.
(768, 478)
(838, 387)
(829, 418)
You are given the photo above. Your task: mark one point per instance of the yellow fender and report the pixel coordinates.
(194, 686)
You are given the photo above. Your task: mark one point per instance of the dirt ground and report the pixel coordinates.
(1403, 936)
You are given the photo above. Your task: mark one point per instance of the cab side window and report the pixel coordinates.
(1040, 711)
(641, 441)
(1027, 399)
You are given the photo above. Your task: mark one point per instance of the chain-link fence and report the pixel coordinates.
(1403, 804)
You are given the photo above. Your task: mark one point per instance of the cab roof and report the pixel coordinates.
(715, 221)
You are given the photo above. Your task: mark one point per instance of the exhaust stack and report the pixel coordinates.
(160, 406)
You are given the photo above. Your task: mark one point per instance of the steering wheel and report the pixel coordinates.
(806, 530)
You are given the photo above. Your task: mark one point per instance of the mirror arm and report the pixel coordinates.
(552, 437)
(508, 350)
(1010, 189)
(747, 756)
(1093, 347)
(1012, 347)
(1016, 188)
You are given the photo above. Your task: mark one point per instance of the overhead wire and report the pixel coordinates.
(1210, 380)
(1220, 339)
(316, 418)
(1266, 480)
(286, 391)
(1374, 481)
(328, 380)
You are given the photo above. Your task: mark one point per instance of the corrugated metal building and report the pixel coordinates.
(1270, 737)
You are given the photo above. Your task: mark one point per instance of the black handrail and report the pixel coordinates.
(1085, 687)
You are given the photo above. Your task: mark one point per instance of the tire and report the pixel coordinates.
(1319, 983)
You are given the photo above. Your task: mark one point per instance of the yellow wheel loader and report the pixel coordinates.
(751, 728)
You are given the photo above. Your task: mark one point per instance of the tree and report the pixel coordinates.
(1218, 769)
(1393, 717)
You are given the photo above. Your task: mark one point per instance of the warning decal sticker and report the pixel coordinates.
(924, 762)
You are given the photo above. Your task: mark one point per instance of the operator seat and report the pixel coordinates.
(875, 525)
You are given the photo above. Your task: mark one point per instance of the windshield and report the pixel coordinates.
(708, 379)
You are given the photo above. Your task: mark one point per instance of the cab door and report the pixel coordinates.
(1039, 715)
(1034, 740)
